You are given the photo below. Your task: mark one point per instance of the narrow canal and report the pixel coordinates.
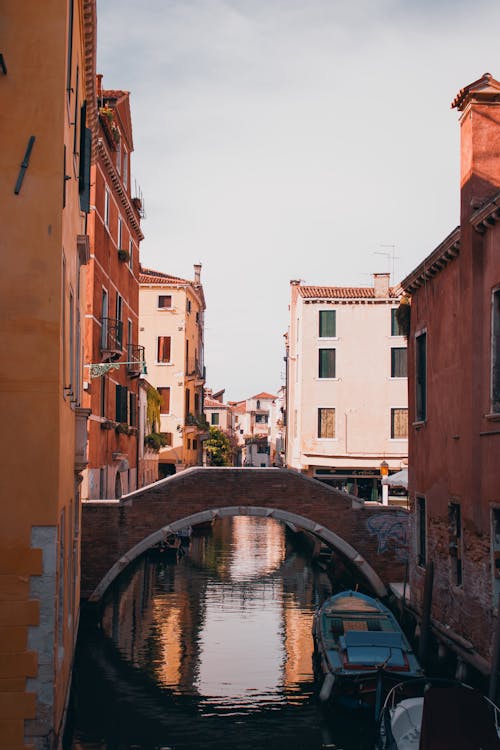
(213, 651)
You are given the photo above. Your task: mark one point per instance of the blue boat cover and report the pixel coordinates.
(373, 647)
(390, 639)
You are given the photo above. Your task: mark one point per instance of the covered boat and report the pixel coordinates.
(360, 647)
(434, 714)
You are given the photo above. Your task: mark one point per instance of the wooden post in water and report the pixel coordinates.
(426, 614)
(495, 659)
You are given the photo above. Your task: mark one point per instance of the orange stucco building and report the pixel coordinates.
(113, 359)
(46, 76)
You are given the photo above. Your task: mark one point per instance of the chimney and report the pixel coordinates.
(197, 273)
(381, 284)
(479, 104)
(99, 85)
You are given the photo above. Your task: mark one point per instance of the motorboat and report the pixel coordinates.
(360, 649)
(437, 714)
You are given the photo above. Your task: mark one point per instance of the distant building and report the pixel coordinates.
(112, 306)
(217, 413)
(47, 75)
(252, 422)
(454, 399)
(347, 407)
(172, 332)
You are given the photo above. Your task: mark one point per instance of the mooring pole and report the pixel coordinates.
(426, 613)
(495, 659)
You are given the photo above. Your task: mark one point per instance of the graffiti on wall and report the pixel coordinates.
(391, 530)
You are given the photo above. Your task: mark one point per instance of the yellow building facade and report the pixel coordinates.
(47, 75)
(171, 325)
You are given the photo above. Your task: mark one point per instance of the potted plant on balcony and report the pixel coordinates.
(123, 254)
(122, 428)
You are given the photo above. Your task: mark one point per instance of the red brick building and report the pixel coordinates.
(112, 308)
(454, 398)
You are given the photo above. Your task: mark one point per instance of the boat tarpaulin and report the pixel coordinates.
(457, 718)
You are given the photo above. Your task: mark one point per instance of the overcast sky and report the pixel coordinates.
(291, 139)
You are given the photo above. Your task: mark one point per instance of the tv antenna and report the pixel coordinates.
(391, 256)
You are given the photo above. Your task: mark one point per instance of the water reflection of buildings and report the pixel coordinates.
(235, 636)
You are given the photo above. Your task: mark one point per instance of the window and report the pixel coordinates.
(165, 400)
(164, 343)
(326, 364)
(399, 362)
(188, 305)
(119, 240)
(189, 444)
(262, 418)
(132, 406)
(76, 112)
(326, 423)
(119, 313)
(85, 158)
(168, 437)
(399, 424)
(195, 445)
(69, 61)
(455, 518)
(103, 396)
(421, 377)
(130, 254)
(396, 329)
(214, 418)
(327, 323)
(495, 353)
(164, 301)
(421, 531)
(106, 207)
(119, 157)
(121, 401)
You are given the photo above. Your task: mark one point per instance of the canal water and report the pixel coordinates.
(211, 652)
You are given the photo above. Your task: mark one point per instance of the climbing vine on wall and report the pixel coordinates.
(153, 409)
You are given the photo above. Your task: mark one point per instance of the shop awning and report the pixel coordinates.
(399, 479)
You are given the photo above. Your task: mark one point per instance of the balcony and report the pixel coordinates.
(136, 364)
(111, 338)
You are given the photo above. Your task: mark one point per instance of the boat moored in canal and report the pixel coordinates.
(360, 648)
(434, 713)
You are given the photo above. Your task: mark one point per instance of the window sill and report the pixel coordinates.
(493, 417)
(166, 309)
(419, 425)
(164, 364)
(328, 379)
(328, 338)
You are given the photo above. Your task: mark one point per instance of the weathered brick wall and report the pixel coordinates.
(112, 528)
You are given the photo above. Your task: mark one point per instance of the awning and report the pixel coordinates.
(399, 479)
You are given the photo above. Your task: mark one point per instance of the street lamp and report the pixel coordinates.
(384, 472)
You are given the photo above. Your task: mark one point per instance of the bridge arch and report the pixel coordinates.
(373, 537)
(324, 534)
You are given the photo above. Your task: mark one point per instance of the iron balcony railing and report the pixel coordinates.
(136, 364)
(111, 336)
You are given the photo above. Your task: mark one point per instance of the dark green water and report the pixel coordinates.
(213, 652)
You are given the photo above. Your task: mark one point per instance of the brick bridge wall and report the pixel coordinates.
(368, 535)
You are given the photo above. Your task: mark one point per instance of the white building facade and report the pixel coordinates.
(347, 407)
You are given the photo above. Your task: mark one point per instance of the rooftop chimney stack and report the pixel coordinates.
(381, 283)
(197, 273)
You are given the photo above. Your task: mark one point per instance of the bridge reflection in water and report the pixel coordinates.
(212, 652)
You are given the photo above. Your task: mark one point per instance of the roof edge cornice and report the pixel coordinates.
(434, 262)
(117, 184)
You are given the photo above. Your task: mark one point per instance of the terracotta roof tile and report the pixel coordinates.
(148, 276)
(265, 395)
(341, 292)
(212, 403)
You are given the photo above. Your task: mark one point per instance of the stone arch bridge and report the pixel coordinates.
(368, 536)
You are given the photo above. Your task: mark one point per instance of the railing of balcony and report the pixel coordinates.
(136, 362)
(111, 335)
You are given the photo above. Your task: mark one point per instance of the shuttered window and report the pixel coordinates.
(399, 359)
(121, 396)
(421, 377)
(399, 424)
(326, 423)
(164, 344)
(327, 323)
(132, 409)
(326, 364)
(85, 155)
(164, 301)
(165, 400)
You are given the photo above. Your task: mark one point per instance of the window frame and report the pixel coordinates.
(395, 349)
(319, 423)
(421, 390)
(158, 347)
(324, 335)
(495, 352)
(165, 399)
(393, 410)
(327, 377)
